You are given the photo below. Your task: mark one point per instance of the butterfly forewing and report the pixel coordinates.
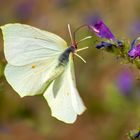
(32, 56)
(24, 44)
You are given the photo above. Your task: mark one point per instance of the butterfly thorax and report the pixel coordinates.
(60, 68)
(64, 57)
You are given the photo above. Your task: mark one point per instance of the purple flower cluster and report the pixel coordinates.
(102, 31)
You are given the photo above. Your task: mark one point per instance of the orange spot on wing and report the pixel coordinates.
(33, 66)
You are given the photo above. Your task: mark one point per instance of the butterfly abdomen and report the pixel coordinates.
(64, 57)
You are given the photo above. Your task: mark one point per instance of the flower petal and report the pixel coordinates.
(101, 30)
(135, 49)
(103, 45)
(132, 53)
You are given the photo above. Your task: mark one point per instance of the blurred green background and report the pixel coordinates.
(110, 90)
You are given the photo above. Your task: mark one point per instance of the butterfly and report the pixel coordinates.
(40, 62)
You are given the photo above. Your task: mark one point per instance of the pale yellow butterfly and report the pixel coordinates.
(41, 62)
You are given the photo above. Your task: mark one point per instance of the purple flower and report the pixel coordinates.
(125, 82)
(24, 10)
(101, 30)
(135, 49)
(108, 44)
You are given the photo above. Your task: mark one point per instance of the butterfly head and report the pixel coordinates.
(74, 44)
(73, 48)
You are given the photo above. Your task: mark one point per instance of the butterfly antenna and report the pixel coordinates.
(70, 33)
(80, 57)
(84, 25)
(78, 50)
(74, 43)
(88, 37)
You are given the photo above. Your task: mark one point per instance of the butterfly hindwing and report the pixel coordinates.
(63, 97)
